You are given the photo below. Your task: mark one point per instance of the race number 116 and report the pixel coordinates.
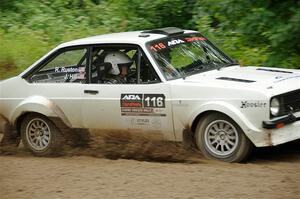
(154, 100)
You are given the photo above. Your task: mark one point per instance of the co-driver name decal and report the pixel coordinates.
(142, 104)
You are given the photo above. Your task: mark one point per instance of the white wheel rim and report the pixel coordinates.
(38, 134)
(221, 138)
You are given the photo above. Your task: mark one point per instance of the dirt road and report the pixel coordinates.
(270, 173)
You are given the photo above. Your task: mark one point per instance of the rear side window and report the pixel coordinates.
(66, 67)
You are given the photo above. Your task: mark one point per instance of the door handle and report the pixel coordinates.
(92, 92)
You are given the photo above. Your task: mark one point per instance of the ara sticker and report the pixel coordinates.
(131, 100)
(175, 42)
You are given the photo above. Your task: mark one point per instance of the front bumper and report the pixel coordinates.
(278, 131)
(280, 122)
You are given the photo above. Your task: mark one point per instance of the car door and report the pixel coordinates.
(61, 78)
(138, 106)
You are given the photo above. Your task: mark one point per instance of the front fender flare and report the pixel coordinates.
(228, 109)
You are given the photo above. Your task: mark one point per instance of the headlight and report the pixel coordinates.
(275, 106)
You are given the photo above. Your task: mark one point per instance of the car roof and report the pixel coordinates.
(134, 37)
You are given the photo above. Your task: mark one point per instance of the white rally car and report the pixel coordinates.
(168, 81)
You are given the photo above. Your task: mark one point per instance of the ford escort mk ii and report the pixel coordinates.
(168, 81)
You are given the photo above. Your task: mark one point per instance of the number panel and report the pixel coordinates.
(154, 100)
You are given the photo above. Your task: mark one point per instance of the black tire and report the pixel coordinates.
(219, 137)
(40, 136)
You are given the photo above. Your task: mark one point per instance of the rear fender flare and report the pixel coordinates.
(39, 104)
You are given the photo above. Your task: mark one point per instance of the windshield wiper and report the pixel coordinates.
(193, 67)
(194, 71)
(182, 73)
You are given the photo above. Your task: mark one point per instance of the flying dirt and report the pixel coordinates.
(119, 145)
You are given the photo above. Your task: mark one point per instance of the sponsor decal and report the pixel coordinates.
(163, 45)
(253, 104)
(156, 123)
(175, 42)
(132, 97)
(131, 100)
(283, 79)
(192, 39)
(140, 122)
(142, 104)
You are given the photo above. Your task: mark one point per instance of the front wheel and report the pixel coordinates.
(40, 135)
(219, 137)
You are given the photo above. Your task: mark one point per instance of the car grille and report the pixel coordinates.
(290, 102)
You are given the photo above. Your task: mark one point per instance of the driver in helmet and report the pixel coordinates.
(120, 64)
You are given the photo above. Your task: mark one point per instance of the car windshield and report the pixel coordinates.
(186, 55)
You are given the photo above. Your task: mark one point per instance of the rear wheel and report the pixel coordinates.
(219, 137)
(40, 135)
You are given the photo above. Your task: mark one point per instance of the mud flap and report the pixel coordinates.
(188, 140)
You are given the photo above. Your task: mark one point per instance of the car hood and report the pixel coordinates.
(264, 79)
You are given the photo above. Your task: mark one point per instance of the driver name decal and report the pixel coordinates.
(71, 73)
(69, 70)
(142, 105)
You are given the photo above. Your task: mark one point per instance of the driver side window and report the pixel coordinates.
(66, 67)
(118, 65)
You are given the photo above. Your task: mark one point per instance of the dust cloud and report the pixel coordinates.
(120, 145)
(127, 145)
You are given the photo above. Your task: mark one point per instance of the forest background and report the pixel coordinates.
(261, 32)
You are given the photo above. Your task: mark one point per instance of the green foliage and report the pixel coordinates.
(255, 32)
(262, 32)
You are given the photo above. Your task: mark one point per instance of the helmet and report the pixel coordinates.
(117, 59)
